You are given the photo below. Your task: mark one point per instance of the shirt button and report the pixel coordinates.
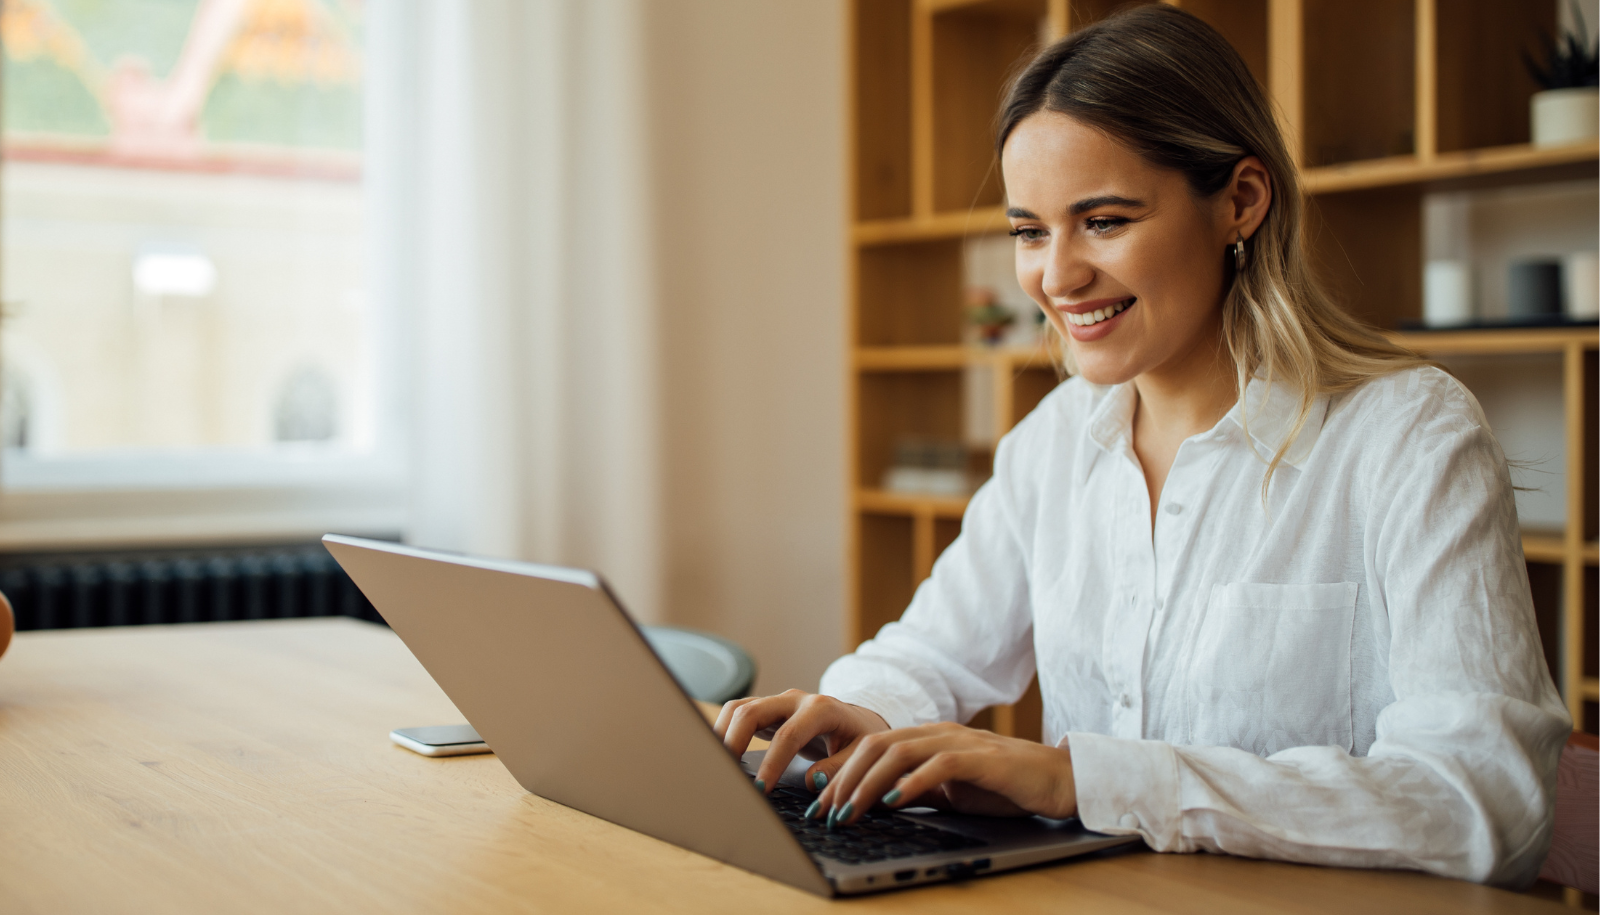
(1174, 508)
(1126, 700)
(1128, 821)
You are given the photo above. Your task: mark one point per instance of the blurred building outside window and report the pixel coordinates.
(183, 256)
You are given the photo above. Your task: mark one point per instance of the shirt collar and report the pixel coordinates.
(1272, 409)
(1111, 421)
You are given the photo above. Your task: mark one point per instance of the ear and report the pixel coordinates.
(1246, 199)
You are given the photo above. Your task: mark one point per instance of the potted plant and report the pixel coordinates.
(985, 312)
(1568, 110)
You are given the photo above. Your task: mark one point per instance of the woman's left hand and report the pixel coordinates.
(955, 768)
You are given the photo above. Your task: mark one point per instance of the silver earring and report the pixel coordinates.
(1238, 255)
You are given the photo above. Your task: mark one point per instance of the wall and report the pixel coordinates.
(747, 116)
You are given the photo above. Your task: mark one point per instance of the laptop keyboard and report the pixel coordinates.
(876, 836)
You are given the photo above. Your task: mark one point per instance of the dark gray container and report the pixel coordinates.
(1534, 289)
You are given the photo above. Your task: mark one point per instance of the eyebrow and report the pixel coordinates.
(1082, 206)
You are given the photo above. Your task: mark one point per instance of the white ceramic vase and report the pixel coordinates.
(1446, 294)
(1580, 282)
(1563, 116)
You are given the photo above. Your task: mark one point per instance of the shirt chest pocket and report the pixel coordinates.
(1270, 667)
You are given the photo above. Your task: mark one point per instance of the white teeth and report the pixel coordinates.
(1099, 314)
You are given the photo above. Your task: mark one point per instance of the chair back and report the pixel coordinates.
(7, 619)
(1574, 858)
(708, 667)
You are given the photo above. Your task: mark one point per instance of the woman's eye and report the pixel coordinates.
(1104, 225)
(1027, 234)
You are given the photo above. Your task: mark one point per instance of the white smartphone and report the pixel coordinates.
(441, 740)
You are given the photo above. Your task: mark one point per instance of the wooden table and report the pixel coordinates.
(246, 767)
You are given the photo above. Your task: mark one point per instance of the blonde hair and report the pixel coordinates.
(1175, 92)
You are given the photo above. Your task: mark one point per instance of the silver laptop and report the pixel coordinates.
(558, 680)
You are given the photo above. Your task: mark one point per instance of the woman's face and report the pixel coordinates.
(1123, 259)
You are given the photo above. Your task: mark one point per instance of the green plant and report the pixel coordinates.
(991, 316)
(985, 312)
(1570, 63)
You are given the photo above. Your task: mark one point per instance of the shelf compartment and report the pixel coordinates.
(975, 49)
(910, 294)
(1587, 656)
(1242, 22)
(1088, 12)
(1029, 385)
(1544, 584)
(884, 579)
(945, 532)
(903, 405)
(881, 56)
(1482, 88)
(902, 536)
(1587, 379)
(1367, 247)
(1366, 111)
(1501, 165)
(930, 537)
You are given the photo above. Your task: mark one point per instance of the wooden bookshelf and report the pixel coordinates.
(1499, 342)
(1520, 164)
(1462, 169)
(1394, 99)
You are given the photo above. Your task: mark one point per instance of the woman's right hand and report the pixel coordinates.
(800, 723)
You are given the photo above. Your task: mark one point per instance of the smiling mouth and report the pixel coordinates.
(1100, 314)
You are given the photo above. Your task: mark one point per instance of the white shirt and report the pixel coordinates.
(1343, 671)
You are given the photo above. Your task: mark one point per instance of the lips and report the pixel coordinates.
(1090, 318)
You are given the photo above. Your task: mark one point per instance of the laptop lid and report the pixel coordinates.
(550, 670)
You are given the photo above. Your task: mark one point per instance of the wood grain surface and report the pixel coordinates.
(246, 767)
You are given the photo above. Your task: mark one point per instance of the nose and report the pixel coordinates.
(1065, 270)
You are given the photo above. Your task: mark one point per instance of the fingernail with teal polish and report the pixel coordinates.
(845, 811)
(811, 812)
(761, 786)
(820, 780)
(833, 817)
(892, 798)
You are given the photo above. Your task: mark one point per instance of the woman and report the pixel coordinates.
(1265, 563)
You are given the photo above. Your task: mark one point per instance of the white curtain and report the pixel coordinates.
(508, 160)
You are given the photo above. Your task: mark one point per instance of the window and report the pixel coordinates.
(184, 258)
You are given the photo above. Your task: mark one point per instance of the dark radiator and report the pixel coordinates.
(131, 588)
